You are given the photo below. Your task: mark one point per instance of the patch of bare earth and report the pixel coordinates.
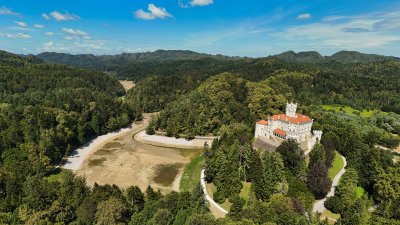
(127, 84)
(124, 161)
(397, 158)
(397, 149)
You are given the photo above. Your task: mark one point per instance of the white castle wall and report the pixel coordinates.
(300, 132)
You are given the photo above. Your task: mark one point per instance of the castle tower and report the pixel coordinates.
(291, 109)
(317, 135)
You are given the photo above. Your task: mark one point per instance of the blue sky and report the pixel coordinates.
(238, 28)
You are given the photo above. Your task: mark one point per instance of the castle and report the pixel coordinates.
(290, 125)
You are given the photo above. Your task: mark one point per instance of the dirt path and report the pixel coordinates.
(319, 205)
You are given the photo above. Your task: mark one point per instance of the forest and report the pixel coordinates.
(47, 110)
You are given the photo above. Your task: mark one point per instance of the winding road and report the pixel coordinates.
(319, 206)
(213, 204)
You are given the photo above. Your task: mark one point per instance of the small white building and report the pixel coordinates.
(290, 125)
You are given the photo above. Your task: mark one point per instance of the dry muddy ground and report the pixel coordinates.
(127, 84)
(124, 161)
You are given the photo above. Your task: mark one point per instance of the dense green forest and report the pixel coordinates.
(163, 76)
(359, 85)
(287, 179)
(46, 110)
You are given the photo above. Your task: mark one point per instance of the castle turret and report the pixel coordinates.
(291, 109)
(317, 135)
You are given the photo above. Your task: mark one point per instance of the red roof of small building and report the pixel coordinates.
(263, 122)
(299, 119)
(280, 132)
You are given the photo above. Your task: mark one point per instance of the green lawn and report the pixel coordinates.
(350, 110)
(211, 189)
(337, 165)
(54, 176)
(328, 214)
(244, 193)
(191, 175)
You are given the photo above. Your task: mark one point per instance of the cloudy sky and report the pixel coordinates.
(240, 27)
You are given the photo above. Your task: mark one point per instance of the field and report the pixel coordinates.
(350, 110)
(336, 166)
(191, 175)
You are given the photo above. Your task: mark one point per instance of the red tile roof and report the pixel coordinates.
(280, 132)
(299, 119)
(263, 122)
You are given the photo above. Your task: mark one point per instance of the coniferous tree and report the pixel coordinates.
(318, 181)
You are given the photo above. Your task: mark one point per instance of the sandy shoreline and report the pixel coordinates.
(78, 156)
(164, 141)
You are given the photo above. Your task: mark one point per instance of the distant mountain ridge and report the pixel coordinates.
(104, 61)
(108, 62)
(342, 57)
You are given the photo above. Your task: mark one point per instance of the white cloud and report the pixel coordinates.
(74, 32)
(6, 11)
(201, 2)
(45, 16)
(48, 44)
(39, 26)
(68, 38)
(17, 35)
(65, 16)
(154, 12)
(194, 3)
(304, 16)
(77, 46)
(344, 33)
(21, 24)
(49, 33)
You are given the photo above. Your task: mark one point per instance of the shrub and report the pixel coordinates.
(219, 196)
(334, 204)
(150, 130)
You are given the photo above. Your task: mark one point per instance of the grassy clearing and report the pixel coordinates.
(211, 188)
(244, 193)
(350, 110)
(191, 175)
(54, 176)
(328, 214)
(337, 165)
